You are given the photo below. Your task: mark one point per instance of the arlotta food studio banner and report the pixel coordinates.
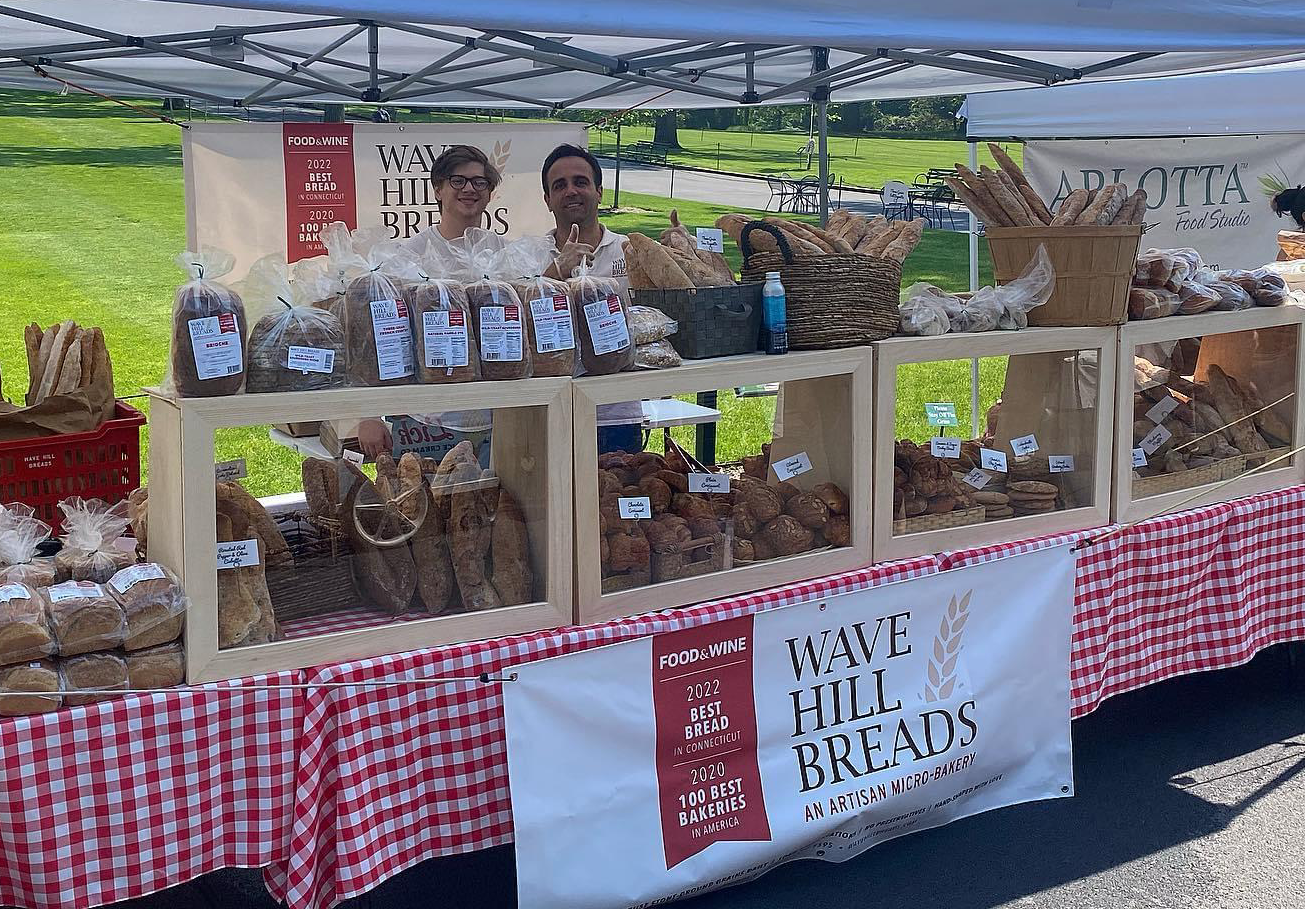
(671, 765)
(1201, 192)
(256, 188)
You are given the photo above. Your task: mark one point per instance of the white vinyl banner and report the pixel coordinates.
(1201, 192)
(255, 188)
(652, 770)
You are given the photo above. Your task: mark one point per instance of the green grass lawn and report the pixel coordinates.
(93, 214)
(866, 162)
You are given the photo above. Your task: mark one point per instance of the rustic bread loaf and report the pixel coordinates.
(37, 675)
(500, 330)
(153, 602)
(443, 339)
(92, 672)
(85, 618)
(25, 632)
(208, 340)
(163, 666)
(550, 325)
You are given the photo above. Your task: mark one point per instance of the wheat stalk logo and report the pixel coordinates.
(942, 668)
(501, 154)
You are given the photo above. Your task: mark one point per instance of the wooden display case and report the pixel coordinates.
(1058, 386)
(531, 454)
(1261, 346)
(822, 393)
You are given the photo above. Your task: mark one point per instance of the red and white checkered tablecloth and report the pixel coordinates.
(122, 798)
(390, 779)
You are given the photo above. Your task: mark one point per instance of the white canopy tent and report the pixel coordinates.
(1251, 101)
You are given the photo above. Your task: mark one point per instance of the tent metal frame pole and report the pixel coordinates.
(393, 75)
(79, 56)
(549, 46)
(872, 76)
(291, 65)
(817, 78)
(1060, 72)
(972, 246)
(1113, 64)
(976, 67)
(426, 71)
(373, 61)
(321, 55)
(471, 85)
(823, 160)
(133, 80)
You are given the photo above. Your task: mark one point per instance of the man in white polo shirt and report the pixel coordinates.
(573, 189)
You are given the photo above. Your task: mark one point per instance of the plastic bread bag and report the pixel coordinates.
(1271, 288)
(378, 335)
(497, 315)
(981, 312)
(1240, 276)
(1152, 303)
(1195, 298)
(152, 601)
(550, 321)
(208, 328)
(1033, 288)
(25, 632)
(1191, 256)
(605, 337)
(656, 355)
(444, 345)
(21, 535)
(925, 309)
(33, 676)
(92, 530)
(294, 346)
(651, 325)
(1232, 297)
(315, 282)
(85, 618)
(1153, 268)
(1292, 271)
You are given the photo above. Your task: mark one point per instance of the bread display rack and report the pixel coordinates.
(1255, 351)
(822, 394)
(1058, 389)
(531, 456)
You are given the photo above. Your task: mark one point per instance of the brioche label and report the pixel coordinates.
(74, 590)
(394, 339)
(128, 578)
(215, 341)
(552, 319)
(501, 333)
(14, 592)
(607, 325)
(444, 338)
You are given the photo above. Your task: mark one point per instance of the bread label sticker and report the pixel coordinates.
(444, 338)
(710, 239)
(394, 339)
(74, 590)
(551, 317)
(1154, 439)
(1140, 458)
(977, 478)
(607, 325)
(942, 447)
(215, 341)
(709, 482)
(14, 592)
(792, 467)
(1162, 409)
(310, 359)
(354, 457)
(1061, 463)
(635, 507)
(230, 471)
(1025, 445)
(501, 333)
(238, 554)
(993, 460)
(941, 414)
(128, 578)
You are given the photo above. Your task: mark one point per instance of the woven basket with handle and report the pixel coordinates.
(831, 301)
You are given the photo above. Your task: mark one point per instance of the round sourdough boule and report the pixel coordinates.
(1032, 487)
(786, 536)
(985, 497)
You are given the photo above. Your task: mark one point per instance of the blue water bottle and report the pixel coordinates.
(773, 314)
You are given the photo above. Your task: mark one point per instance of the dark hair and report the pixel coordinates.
(570, 151)
(458, 155)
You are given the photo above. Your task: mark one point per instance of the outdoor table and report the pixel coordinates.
(335, 789)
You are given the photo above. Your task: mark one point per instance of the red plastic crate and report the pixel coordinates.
(102, 464)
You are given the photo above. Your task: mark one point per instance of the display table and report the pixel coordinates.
(336, 789)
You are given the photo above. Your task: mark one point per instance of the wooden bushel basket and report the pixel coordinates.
(1094, 265)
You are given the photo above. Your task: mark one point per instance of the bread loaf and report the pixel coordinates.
(321, 480)
(92, 672)
(208, 329)
(443, 338)
(388, 575)
(550, 326)
(90, 543)
(510, 552)
(25, 632)
(1072, 206)
(298, 349)
(85, 618)
(468, 528)
(152, 600)
(163, 666)
(655, 261)
(606, 346)
(38, 675)
(378, 334)
(500, 330)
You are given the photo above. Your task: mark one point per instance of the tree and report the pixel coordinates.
(664, 130)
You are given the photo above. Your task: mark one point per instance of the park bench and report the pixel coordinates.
(648, 152)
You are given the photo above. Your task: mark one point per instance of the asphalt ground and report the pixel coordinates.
(1189, 795)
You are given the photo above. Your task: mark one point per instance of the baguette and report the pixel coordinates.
(841, 246)
(722, 274)
(1104, 205)
(980, 189)
(70, 372)
(1133, 210)
(804, 231)
(1071, 208)
(658, 264)
(32, 338)
(971, 201)
(884, 238)
(1023, 187)
(905, 241)
(838, 222)
(88, 356)
(676, 237)
(797, 239)
(102, 366)
(1005, 198)
(42, 361)
(855, 228)
(50, 376)
(692, 266)
(1020, 200)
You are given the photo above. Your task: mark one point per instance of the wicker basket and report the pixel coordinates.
(831, 301)
(1094, 265)
(714, 321)
(1226, 469)
(320, 579)
(924, 522)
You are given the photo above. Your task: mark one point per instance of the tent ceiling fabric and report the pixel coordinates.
(513, 53)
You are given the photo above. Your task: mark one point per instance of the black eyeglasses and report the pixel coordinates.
(480, 184)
